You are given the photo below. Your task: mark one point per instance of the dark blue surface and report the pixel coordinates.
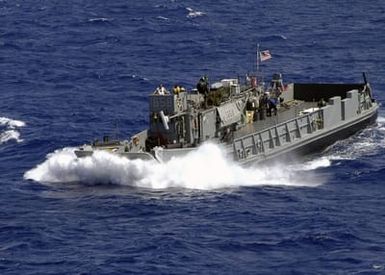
(73, 70)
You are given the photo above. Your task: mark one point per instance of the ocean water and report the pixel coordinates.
(71, 71)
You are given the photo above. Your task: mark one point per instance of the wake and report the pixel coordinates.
(368, 142)
(205, 169)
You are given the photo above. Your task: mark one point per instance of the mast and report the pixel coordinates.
(257, 59)
(258, 74)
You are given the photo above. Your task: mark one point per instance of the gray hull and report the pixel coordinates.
(314, 144)
(307, 143)
(312, 131)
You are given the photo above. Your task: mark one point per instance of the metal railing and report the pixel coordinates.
(282, 134)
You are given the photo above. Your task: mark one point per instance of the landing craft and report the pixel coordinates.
(254, 123)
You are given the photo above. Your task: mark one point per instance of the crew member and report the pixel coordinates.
(160, 90)
(203, 87)
(176, 90)
(263, 105)
(272, 106)
(321, 103)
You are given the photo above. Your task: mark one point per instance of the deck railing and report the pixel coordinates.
(279, 135)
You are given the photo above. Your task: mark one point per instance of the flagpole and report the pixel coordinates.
(257, 58)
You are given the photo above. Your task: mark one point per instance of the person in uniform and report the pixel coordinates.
(176, 90)
(160, 90)
(203, 87)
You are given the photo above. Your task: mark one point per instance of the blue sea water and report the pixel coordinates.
(71, 71)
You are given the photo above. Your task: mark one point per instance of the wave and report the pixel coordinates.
(274, 37)
(11, 123)
(99, 20)
(9, 135)
(205, 169)
(381, 121)
(367, 142)
(313, 164)
(8, 131)
(193, 13)
(162, 18)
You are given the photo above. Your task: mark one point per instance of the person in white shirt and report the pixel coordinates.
(160, 90)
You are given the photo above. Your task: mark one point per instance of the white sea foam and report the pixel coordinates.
(8, 131)
(312, 164)
(162, 18)
(381, 120)
(9, 135)
(99, 19)
(11, 123)
(193, 13)
(204, 169)
(367, 142)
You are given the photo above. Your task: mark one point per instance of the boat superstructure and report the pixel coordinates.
(254, 123)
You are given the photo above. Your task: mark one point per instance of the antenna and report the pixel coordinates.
(365, 78)
(116, 130)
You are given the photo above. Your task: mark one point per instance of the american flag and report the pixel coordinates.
(265, 55)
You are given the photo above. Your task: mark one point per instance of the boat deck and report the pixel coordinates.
(284, 113)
